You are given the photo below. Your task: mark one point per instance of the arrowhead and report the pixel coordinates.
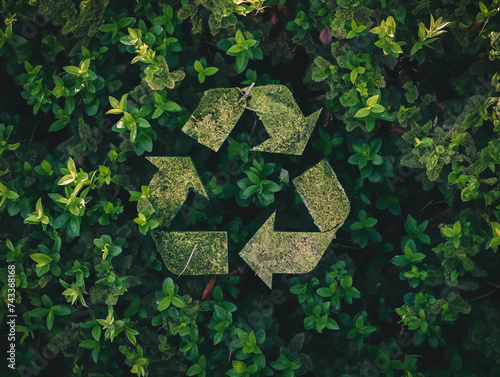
(293, 142)
(192, 253)
(215, 117)
(170, 186)
(288, 129)
(270, 252)
(323, 196)
(209, 255)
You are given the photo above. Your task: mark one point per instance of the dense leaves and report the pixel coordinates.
(410, 100)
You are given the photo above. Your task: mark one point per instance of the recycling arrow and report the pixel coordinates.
(323, 195)
(193, 253)
(171, 185)
(220, 109)
(283, 120)
(202, 252)
(270, 251)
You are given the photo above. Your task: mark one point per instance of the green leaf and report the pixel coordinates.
(38, 312)
(360, 321)
(178, 302)
(249, 191)
(396, 48)
(352, 334)
(133, 132)
(372, 101)
(114, 102)
(370, 222)
(114, 111)
(50, 320)
(353, 76)
(370, 123)
(241, 61)
(324, 292)
(89, 343)
(164, 303)
(234, 50)
(240, 39)
(56, 126)
(157, 113)
(253, 177)
(448, 232)
(416, 47)
(41, 259)
(194, 370)
(400, 261)
(456, 363)
(47, 301)
(211, 71)
(198, 66)
(85, 65)
(377, 109)
(172, 106)
(123, 102)
(63, 310)
(346, 282)
(363, 112)
(72, 70)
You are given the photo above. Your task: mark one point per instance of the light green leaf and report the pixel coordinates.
(361, 113)
(198, 66)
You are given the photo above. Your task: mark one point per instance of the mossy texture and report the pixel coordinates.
(323, 196)
(220, 109)
(215, 117)
(271, 252)
(170, 186)
(283, 120)
(209, 256)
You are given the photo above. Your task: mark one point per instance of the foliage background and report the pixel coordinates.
(410, 124)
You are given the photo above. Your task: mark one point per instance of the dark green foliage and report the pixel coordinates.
(406, 99)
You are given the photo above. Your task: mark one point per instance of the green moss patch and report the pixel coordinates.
(283, 120)
(215, 117)
(170, 186)
(323, 196)
(271, 252)
(209, 256)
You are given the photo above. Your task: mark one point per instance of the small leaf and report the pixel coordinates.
(211, 71)
(240, 39)
(41, 259)
(198, 67)
(361, 113)
(372, 101)
(325, 36)
(38, 312)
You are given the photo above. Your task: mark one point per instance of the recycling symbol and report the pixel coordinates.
(268, 252)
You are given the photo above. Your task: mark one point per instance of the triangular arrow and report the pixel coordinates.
(220, 109)
(170, 186)
(270, 252)
(193, 253)
(288, 128)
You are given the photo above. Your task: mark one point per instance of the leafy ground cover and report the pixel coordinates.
(401, 99)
